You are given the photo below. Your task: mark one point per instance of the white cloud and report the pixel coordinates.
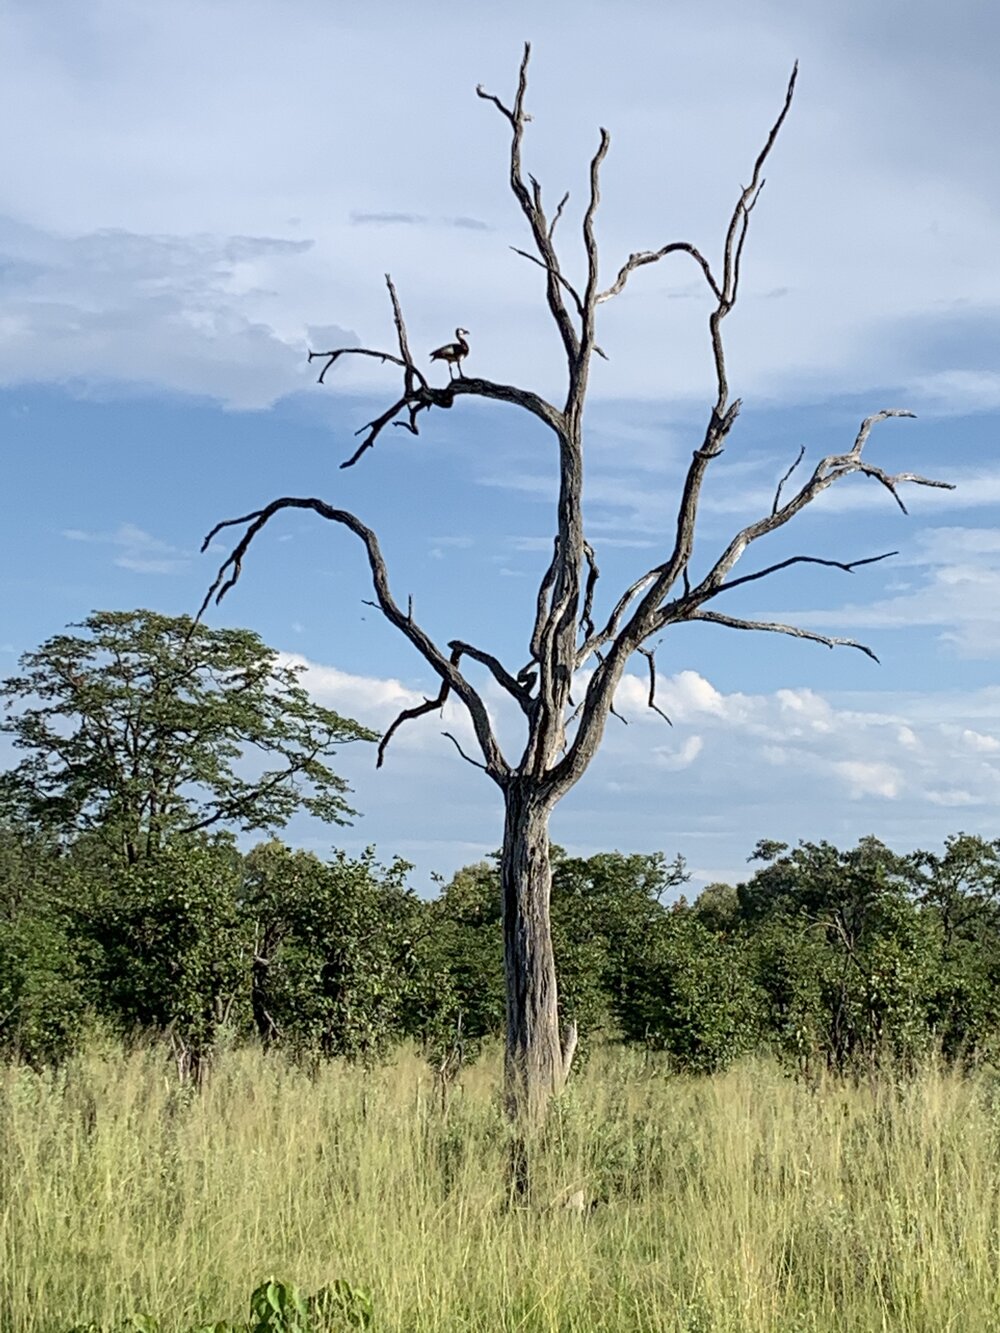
(790, 763)
(114, 309)
(149, 123)
(869, 778)
(675, 760)
(976, 741)
(137, 549)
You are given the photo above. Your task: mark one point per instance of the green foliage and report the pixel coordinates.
(332, 950)
(687, 992)
(42, 984)
(134, 731)
(845, 960)
(168, 944)
(458, 996)
(275, 1307)
(960, 891)
(602, 908)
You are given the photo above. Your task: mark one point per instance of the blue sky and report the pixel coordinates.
(200, 192)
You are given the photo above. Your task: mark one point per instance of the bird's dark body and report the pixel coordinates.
(453, 353)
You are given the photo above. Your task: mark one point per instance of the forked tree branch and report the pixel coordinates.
(786, 477)
(531, 207)
(419, 396)
(445, 668)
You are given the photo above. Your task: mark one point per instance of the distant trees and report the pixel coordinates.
(829, 959)
(147, 727)
(124, 898)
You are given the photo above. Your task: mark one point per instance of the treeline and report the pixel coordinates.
(828, 958)
(144, 742)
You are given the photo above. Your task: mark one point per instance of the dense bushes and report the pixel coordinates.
(827, 958)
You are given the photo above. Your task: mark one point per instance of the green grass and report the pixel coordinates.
(743, 1202)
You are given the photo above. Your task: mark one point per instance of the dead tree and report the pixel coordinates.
(570, 650)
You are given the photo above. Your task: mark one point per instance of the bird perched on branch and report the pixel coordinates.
(454, 353)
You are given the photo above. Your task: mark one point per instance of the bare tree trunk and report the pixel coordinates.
(534, 1069)
(536, 1062)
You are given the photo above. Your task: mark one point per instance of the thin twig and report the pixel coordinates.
(650, 656)
(467, 757)
(409, 715)
(777, 493)
(560, 277)
(848, 566)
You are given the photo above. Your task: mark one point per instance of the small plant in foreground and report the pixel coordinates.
(275, 1307)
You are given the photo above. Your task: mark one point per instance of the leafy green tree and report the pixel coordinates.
(688, 992)
(960, 892)
(718, 908)
(459, 995)
(332, 949)
(43, 1005)
(845, 958)
(602, 908)
(145, 727)
(167, 945)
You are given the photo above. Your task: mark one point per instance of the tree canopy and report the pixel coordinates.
(144, 726)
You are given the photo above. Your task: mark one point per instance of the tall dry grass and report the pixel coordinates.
(743, 1202)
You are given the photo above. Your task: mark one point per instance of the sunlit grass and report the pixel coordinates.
(743, 1202)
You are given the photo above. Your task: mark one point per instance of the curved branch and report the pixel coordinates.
(643, 257)
(827, 471)
(650, 657)
(333, 356)
(422, 397)
(409, 715)
(848, 566)
(781, 484)
(231, 568)
(467, 757)
(775, 627)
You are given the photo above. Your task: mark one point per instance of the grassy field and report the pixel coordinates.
(743, 1202)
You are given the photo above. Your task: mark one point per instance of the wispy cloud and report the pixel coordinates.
(103, 152)
(955, 590)
(191, 313)
(391, 219)
(388, 219)
(137, 549)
